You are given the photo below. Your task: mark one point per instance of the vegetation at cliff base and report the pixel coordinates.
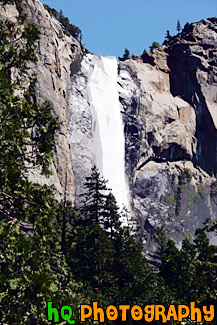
(31, 266)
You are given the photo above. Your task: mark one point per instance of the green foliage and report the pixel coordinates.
(27, 128)
(53, 12)
(177, 198)
(32, 272)
(155, 45)
(186, 176)
(111, 220)
(184, 179)
(186, 271)
(102, 254)
(170, 200)
(69, 28)
(94, 198)
(17, 47)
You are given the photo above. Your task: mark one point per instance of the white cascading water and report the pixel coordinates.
(108, 129)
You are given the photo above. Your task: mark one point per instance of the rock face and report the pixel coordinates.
(80, 124)
(193, 66)
(168, 101)
(170, 124)
(58, 57)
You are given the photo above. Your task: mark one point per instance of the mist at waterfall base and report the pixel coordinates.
(108, 128)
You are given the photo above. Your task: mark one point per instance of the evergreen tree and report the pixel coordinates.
(111, 217)
(205, 269)
(126, 54)
(186, 25)
(94, 198)
(69, 28)
(27, 128)
(168, 37)
(102, 253)
(131, 270)
(190, 274)
(178, 27)
(60, 15)
(161, 240)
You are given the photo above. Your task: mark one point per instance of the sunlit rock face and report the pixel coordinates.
(193, 66)
(148, 123)
(169, 103)
(57, 54)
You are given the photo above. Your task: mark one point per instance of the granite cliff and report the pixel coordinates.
(58, 56)
(170, 126)
(168, 101)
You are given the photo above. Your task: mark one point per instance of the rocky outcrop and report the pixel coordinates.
(58, 54)
(170, 125)
(80, 124)
(192, 59)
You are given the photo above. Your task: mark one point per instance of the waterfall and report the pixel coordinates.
(108, 128)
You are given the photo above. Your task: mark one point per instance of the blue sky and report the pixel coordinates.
(110, 26)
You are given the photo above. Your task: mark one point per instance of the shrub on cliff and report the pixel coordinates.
(126, 55)
(155, 45)
(69, 28)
